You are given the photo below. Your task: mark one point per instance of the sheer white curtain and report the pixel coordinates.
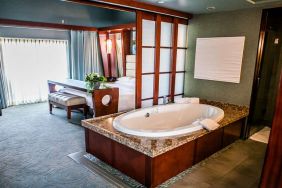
(29, 63)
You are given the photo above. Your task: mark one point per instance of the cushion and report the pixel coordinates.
(66, 99)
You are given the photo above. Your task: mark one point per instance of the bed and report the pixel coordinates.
(126, 87)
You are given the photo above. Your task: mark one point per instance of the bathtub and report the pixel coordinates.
(166, 120)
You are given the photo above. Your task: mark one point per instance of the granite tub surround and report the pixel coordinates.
(155, 147)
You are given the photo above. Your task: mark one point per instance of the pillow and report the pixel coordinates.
(125, 78)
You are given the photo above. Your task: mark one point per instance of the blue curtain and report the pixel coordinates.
(3, 83)
(85, 54)
(3, 101)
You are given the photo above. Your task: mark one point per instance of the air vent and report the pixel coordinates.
(255, 2)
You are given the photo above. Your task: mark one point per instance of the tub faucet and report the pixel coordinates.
(165, 100)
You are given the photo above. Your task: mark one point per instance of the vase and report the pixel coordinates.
(96, 85)
(92, 86)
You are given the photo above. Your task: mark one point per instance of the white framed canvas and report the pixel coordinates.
(219, 58)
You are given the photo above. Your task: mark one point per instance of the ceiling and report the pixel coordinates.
(200, 6)
(56, 11)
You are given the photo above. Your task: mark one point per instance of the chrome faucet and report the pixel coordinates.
(165, 100)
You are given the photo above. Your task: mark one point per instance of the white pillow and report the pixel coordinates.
(125, 78)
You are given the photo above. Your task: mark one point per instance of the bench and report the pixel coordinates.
(68, 102)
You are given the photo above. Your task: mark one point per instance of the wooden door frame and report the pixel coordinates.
(257, 71)
(272, 169)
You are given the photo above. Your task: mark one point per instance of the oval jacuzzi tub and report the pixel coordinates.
(166, 120)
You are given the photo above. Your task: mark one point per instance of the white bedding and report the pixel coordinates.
(126, 94)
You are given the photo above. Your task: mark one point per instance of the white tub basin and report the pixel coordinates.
(166, 120)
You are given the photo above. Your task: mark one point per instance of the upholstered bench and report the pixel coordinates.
(68, 102)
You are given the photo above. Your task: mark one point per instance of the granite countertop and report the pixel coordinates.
(155, 147)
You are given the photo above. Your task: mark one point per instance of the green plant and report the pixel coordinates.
(93, 81)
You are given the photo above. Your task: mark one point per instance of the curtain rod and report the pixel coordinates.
(17, 38)
(41, 28)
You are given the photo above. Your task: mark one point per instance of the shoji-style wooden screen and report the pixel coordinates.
(160, 58)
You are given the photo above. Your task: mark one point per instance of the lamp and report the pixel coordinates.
(109, 46)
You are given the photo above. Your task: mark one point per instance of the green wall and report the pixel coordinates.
(226, 24)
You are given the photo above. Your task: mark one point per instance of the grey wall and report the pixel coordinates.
(226, 24)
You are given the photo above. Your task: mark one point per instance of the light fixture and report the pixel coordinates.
(109, 45)
(160, 2)
(211, 8)
(276, 41)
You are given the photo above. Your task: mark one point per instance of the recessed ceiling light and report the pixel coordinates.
(160, 2)
(211, 8)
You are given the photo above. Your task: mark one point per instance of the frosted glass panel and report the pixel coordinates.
(148, 33)
(165, 60)
(180, 59)
(147, 103)
(164, 85)
(166, 32)
(182, 35)
(179, 83)
(148, 60)
(147, 86)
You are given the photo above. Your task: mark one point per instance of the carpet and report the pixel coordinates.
(34, 146)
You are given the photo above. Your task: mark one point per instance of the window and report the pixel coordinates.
(28, 64)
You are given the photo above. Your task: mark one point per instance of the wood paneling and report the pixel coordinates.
(119, 28)
(100, 108)
(153, 171)
(208, 144)
(130, 161)
(100, 4)
(172, 163)
(255, 86)
(157, 59)
(44, 25)
(125, 39)
(272, 169)
(138, 84)
(129, 5)
(100, 147)
(232, 132)
(174, 58)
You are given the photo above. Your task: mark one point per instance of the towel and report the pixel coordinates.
(186, 100)
(209, 124)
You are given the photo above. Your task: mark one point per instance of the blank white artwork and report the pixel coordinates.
(219, 58)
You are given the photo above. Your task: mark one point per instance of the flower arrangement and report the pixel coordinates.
(93, 81)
